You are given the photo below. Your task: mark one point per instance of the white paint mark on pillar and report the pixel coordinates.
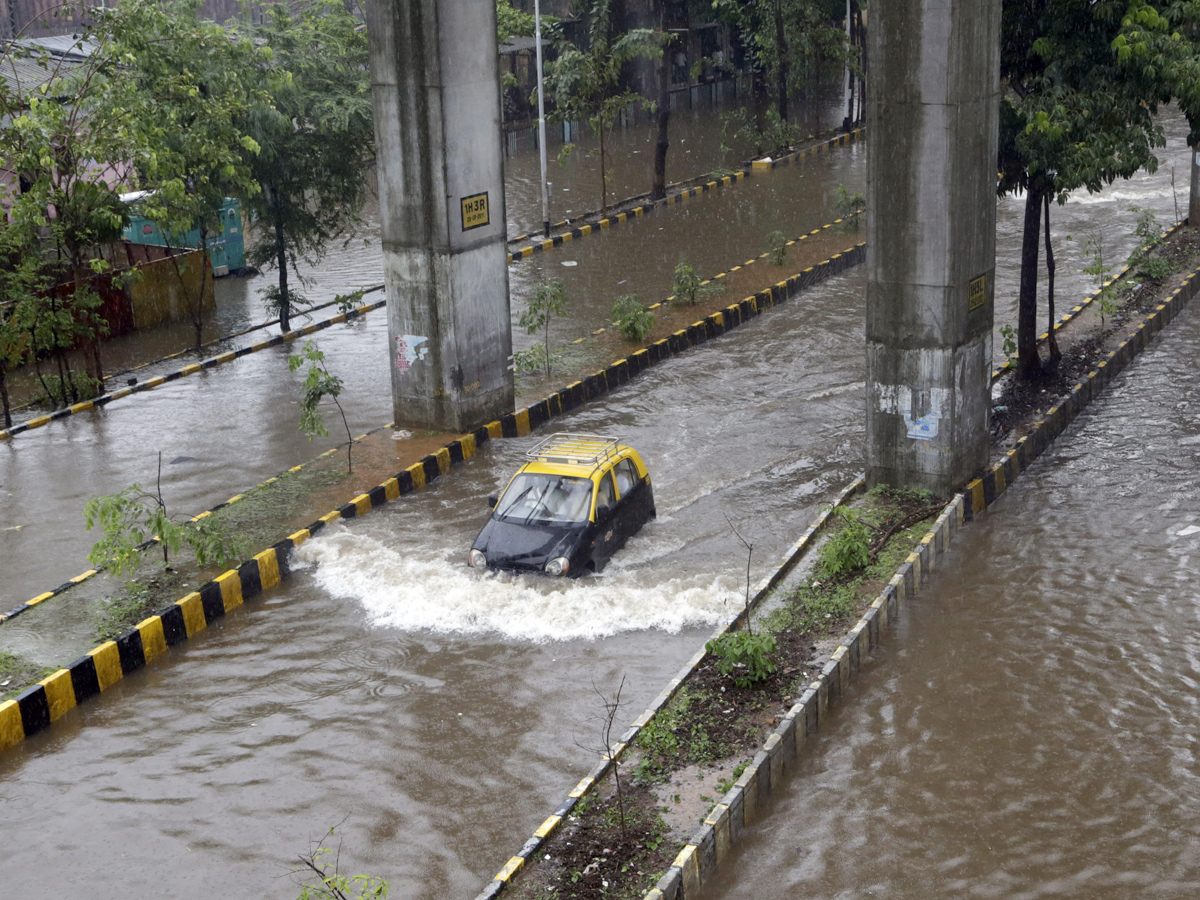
(409, 349)
(922, 409)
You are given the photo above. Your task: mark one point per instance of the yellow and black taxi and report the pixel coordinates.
(568, 509)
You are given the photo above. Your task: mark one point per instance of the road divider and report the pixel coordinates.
(221, 358)
(643, 209)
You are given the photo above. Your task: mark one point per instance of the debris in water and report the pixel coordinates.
(401, 435)
(569, 263)
(1189, 531)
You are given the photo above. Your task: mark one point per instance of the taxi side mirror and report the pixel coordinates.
(603, 511)
(493, 499)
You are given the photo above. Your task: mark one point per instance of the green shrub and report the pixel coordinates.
(848, 206)
(777, 247)
(848, 549)
(633, 320)
(687, 284)
(743, 655)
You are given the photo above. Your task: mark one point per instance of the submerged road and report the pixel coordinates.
(1030, 728)
(435, 706)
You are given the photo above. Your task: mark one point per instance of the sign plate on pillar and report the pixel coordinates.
(976, 292)
(475, 211)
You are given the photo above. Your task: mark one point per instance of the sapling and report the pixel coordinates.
(548, 301)
(318, 384)
(609, 707)
(135, 517)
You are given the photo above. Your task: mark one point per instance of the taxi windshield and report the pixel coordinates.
(546, 498)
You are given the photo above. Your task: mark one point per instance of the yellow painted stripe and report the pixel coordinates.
(443, 460)
(60, 693)
(978, 502)
(84, 577)
(331, 517)
(231, 589)
(527, 251)
(299, 537)
(40, 598)
(193, 614)
(522, 417)
(190, 370)
(38, 422)
(1000, 486)
(362, 504)
(417, 471)
(391, 489)
(82, 407)
(568, 236)
(12, 731)
(511, 868)
(468, 445)
(108, 664)
(495, 430)
(268, 568)
(581, 788)
(548, 826)
(153, 382)
(603, 223)
(586, 229)
(546, 245)
(154, 640)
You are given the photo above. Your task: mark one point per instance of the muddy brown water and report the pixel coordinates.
(1029, 729)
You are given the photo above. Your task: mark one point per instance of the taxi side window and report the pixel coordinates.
(626, 476)
(604, 495)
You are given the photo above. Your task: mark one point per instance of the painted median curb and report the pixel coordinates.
(203, 365)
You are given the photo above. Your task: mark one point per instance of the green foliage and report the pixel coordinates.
(134, 516)
(312, 123)
(548, 301)
(725, 785)
(848, 206)
(584, 85)
(325, 882)
(772, 136)
(659, 743)
(633, 320)
(743, 655)
(349, 302)
(318, 384)
(777, 247)
(687, 285)
(848, 549)
(1009, 334)
(512, 23)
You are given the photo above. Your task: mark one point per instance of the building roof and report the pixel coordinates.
(27, 64)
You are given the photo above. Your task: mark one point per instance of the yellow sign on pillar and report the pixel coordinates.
(976, 293)
(475, 211)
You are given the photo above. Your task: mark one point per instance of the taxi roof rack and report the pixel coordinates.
(575, 448)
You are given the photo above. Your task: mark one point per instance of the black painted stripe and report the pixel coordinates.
(130, 651)
(210, 600)
(430, 465)
(84, 680)
(250, 578)
(508, 425)
(283, 553)
(405, 480)
(378, 494)
(456, 452)
(35, 709)
(173, 625)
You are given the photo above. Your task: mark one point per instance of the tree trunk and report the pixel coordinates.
(603, 175)
(285, 312)
(1194, 193)
(663, 114)
(1029, 364)
(1055, 353)
(4, 398)
(198, 310)
(782, 49)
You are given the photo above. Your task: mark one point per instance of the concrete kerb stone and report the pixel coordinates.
(150, 384)
(637, 211)
(752, 789)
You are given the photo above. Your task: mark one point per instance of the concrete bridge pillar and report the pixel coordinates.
(436, 91)
(932, 128)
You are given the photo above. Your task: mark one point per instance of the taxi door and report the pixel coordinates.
(608, 526)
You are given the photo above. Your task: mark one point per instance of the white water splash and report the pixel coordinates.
(401, 590)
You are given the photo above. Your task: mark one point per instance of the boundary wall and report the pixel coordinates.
(102, 667)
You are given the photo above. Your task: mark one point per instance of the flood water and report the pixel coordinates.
(435, 707)
(1029, 730)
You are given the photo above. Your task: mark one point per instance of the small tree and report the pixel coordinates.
(134, 516)
(584, 84)
(548, 301)
(633, 320)
(318, 384)
(609, 707)
(324, 881)
(687, 285)
(315, 136)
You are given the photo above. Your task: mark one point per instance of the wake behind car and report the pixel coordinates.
(567, 510)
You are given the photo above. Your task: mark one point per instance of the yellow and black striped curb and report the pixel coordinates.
(146, 545)
(498, 884)
(745, 803)
(37, 707)
(1010, 365)
(839, 141)
(733, 269)
(637, 212)
(151, 383)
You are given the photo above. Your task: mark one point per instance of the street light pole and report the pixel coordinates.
(537, 32)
